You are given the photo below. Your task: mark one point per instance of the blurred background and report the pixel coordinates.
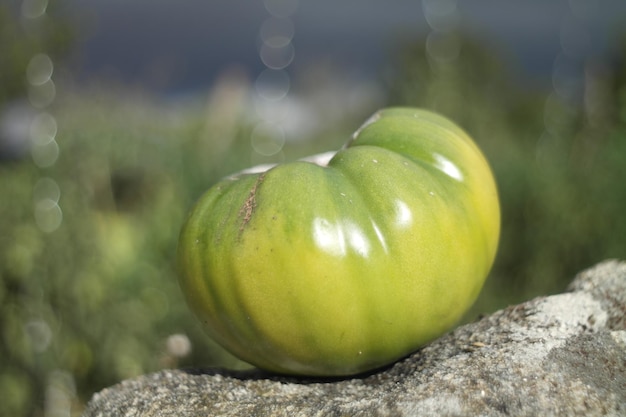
(115, 116)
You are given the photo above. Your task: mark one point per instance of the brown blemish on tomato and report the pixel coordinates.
(246, 211)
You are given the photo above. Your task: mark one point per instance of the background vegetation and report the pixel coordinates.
(88, 291)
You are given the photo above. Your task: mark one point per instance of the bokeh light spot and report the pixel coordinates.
(43, 129)
(48, 215)
(272, 84)
(277, 32)
(46, 189)
(443, 47)
(178, 345)
(281, 8)
(39, 69)
(39, 335)
(45, 155)
(441, 15)
(42, 95)
(267, 139)
(33, 9)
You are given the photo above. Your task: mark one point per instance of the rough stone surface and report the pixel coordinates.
(563, 355)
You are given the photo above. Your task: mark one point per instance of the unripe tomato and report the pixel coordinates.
(348, 264)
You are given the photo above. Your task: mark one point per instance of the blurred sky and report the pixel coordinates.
(182, 45)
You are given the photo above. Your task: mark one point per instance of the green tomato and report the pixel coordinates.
(348, 263)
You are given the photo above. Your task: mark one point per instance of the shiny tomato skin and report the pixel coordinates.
(342, 268)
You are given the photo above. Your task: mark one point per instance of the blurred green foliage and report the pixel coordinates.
(88, 290)
(21, 39)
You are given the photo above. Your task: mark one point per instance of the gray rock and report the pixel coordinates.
(563, 355)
